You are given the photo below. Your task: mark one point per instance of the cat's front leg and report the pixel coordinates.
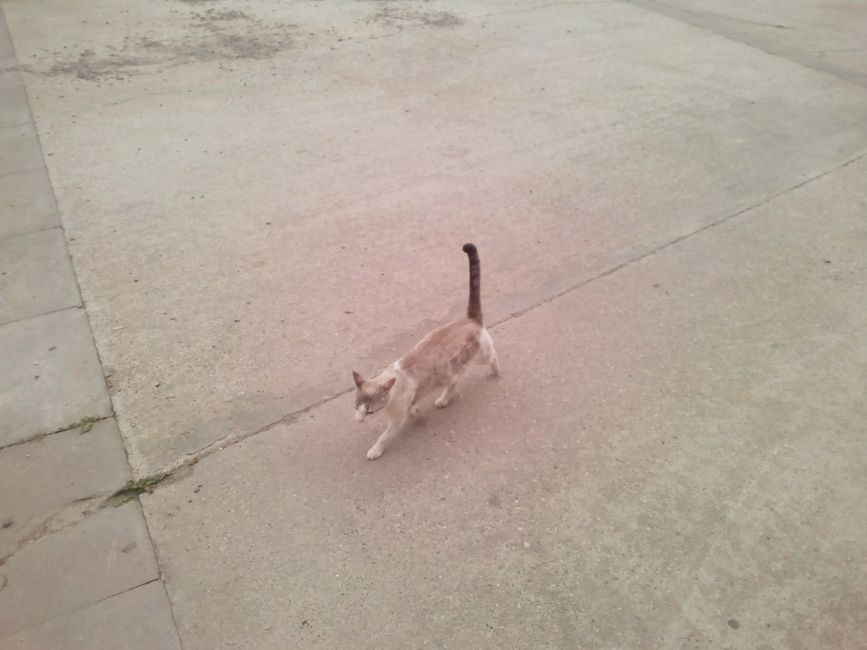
(376, 451)
(384, 440)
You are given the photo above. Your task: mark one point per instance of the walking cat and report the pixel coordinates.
(433, 363)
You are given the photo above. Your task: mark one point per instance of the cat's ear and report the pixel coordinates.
(359, 380)
(387, 385)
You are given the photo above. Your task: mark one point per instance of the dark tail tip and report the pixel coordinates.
(470, 249)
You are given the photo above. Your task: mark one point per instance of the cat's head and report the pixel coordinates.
(370, 395)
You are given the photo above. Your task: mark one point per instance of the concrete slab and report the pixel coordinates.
(36, 276)
(47, 482)
(27, 202)
(50, 376)
(107, 553)
(348, 151)
(20, 147)
(138, 619)
(673, 457)
(824, 34)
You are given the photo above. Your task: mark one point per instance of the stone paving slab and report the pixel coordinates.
(44, 482)
(673, 457)
(36, 275)
(50, 376)
(7, 51)
(10, 75)
(20, 149)
(27, 203)
(105, 554)
(138, 619)
(14, 107)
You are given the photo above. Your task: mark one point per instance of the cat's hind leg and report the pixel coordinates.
(487, 353)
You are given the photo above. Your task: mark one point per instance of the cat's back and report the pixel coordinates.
(442, 345)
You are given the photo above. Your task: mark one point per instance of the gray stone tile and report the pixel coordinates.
(19, 149)
(139, 619)
(105, 554)
(27, 203)
(36, 275)
(14, 106)
(44, 482)
(10, 76)
(50, 375)
(6, 49)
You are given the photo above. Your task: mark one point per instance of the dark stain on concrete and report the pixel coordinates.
(396, 16)
(90, 67)
(210, 36)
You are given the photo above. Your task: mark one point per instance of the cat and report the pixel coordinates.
(434, 362)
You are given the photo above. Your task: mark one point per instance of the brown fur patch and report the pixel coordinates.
(431, 360)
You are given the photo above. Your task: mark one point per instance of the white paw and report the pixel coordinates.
(374, 452)
(441, 403)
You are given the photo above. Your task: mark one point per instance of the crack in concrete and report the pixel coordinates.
(45, 313)
(171, 473)
(35, 437)
(718, 26)
(32, 232)
(677, 240)
(66, 516)
(151, 481)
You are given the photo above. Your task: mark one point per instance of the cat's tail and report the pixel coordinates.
(474, 304)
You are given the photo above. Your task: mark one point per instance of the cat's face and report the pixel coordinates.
(370, 396)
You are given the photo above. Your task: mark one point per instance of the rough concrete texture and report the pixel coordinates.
(50, 376)
(351, 161)
(106, 554)
(673, 458)
(669, 201)
(138, 619)
(35, 275)
(47, 484)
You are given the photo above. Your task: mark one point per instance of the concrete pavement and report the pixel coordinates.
(669, 203)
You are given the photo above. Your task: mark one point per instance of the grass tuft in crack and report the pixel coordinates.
(85, 424)
(133, 488)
